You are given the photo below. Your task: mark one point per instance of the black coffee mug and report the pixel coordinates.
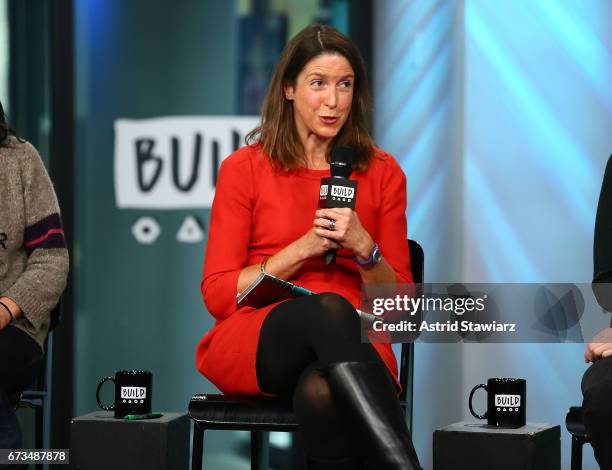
(506, 402)
(133, 390)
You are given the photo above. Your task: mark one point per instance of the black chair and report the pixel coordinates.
(575, 426)
(39, 397)
(262, 415)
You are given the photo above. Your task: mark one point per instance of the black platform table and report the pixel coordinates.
(476, 446)
(99, 441)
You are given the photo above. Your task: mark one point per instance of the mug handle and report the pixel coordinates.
(107, 408)
(474, 414)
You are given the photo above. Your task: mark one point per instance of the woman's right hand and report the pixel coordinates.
(312, 245)
(287, 261)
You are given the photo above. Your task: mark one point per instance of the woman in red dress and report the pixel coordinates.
(265, 219)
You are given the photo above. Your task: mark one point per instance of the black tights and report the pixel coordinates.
(297, 340)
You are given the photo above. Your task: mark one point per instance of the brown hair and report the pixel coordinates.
(276, 131)
(5, 129)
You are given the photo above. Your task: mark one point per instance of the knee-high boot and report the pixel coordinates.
(365, 394)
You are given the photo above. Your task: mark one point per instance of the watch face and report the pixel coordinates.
(374, 257)
(376, 254)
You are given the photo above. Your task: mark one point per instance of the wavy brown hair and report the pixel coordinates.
(5, 129)
(277, 132)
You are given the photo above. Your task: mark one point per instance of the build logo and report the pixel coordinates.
(172, 163)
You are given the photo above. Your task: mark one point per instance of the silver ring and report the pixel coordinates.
(332, 225)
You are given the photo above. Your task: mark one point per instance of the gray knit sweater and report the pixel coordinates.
(33, 254)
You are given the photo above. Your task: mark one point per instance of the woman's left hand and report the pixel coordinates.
(343, 226)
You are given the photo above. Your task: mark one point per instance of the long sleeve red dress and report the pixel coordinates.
(257, 211)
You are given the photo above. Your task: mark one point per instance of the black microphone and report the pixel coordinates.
(341, 164)
(339, 190)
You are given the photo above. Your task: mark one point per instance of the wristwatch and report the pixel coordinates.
(374, 258)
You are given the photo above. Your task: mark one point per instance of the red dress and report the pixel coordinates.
(256, 212)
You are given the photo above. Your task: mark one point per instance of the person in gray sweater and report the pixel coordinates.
(33, 270)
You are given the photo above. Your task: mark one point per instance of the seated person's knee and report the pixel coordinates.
(336, 312)
(312, 395)
(597, 390)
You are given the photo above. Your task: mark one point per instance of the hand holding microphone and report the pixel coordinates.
(338, 191)
(336, 219)
(343, 226)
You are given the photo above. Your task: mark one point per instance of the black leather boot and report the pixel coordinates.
(365, 395)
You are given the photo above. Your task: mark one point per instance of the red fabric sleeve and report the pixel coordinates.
(228, 236)
(393, 231)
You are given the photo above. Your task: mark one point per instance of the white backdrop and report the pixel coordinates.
(500, 115)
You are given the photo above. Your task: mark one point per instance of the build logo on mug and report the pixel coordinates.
(506, 406)
(133, 389)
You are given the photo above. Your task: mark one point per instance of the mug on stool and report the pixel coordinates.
(133, 390)
(506, 402)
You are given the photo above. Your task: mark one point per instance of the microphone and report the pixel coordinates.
(338, 190)
(341, 162)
